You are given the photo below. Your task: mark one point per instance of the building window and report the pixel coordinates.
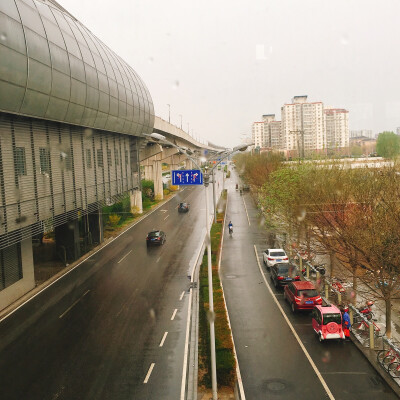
(44, 160)
(99, 158)
(20, 162)
(88, 158)
(109, 160)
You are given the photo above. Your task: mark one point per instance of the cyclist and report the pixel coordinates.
(230, 226)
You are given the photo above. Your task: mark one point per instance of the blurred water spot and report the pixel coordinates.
(302, 215)
(17, 194)
(88, 133)
(175, 85)
(344, 40)
(20, 219)
(152, 313)
(260, 52)
(3, 37)
(210, 316)
(326, 357)
(151, 59)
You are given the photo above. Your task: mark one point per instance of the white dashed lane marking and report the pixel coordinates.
(163, 339)
(149, 373)
(174, 313)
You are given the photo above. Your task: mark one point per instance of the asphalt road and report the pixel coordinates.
(272, 362)
(121, 333)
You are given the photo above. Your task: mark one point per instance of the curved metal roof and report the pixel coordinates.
(53, 67)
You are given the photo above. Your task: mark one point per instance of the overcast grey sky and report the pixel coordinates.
(222, 64)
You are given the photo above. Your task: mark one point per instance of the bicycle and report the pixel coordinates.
(359, 324)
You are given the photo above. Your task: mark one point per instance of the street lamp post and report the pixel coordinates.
(181, 119)
(169, 113)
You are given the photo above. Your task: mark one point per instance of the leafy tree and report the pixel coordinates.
(388, 145)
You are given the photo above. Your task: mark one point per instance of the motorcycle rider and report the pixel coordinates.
(230, 226)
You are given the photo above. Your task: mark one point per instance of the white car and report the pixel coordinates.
(273, 256)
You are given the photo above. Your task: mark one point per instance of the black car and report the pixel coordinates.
(282, 274)
(155, 238)
(183, 207)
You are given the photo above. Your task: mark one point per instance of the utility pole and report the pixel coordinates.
(169, 113)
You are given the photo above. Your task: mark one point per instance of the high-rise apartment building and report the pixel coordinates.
(336, 128)
(267, 133)
(257, 134)
(303, 127)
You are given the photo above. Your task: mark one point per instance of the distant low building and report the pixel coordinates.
(362, 132)
(367, 145)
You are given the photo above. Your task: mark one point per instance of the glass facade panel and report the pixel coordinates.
(59, 59)
(30, 17)
(13, 66)
(39, 77)
(78, 92)
(38, 47)
(61, 85)
(8, 7)
(77, 68)
(53, 33)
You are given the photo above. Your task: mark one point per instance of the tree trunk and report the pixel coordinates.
(388, 317)
(332, 262)
(354, 270)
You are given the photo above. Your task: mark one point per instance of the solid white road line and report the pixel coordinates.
(322, 380)
(163, 339)
(85, 259)
(74, 304)
(166, 217)
(245, 207)
(185, 356)
(123, 258)
(149, 373)
(174, 313)
(180, 298)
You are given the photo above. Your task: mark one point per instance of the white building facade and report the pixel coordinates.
(337, 128)
(303, 127)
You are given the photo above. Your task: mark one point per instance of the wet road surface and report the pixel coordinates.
(119, 334)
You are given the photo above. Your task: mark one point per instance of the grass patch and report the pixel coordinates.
(226, 365)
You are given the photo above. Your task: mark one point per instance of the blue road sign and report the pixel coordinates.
(187, 177)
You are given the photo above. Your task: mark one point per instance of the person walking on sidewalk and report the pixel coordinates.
(346, 323)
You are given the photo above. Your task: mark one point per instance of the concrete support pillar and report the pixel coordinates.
(189, 164)
(148, 172)
(157, 175)
(96, 226)
(136, 202)
(67, 240)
